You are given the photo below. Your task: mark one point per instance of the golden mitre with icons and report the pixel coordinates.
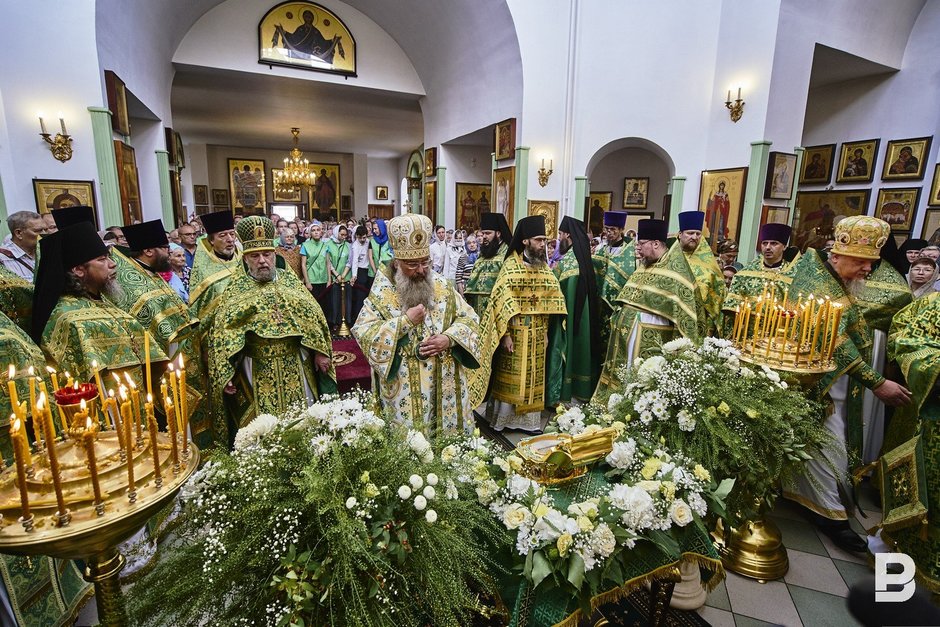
(861, 236)
(409, 236)
(256, 234)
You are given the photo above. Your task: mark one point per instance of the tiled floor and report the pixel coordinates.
(813, 591)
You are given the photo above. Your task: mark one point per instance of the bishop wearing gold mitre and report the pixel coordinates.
(269, 343)
(709, 280)
(216, 261)
(523, 339)
(838, 279)
(659, 303)
(767, 275)
(419, 336)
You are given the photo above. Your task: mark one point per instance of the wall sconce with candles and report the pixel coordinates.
(61, 145)
(737, 107)
(545, 173)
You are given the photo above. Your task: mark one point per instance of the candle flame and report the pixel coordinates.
(82, 405)
(181, 361)
(168, 368)
(75, 384)
(149, 397)
(130, 381)
(116, 378)
(50, 370)
(111, 393)
(41, 402)
(94, 364)
(168, 402)
(123, 393)
(12, 371)
(16, 423)
(30, 371)
(88, 423)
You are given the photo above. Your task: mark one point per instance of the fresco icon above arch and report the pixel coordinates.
(308, 36)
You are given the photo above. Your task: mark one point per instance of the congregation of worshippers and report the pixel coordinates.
(491, 328)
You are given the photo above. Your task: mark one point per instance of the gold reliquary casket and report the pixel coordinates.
(557, 457)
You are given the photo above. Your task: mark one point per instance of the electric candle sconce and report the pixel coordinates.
(61, 144)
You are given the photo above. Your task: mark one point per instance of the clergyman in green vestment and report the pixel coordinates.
(709, 281)
(269, 344)
(914, 343)
(659, 303)
(216, 261)
(495, 237)
(614, 262)
(823, 488)
(583, 348)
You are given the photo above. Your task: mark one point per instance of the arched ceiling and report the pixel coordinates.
(441, 39)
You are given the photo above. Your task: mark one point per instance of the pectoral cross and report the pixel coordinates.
(276, 314)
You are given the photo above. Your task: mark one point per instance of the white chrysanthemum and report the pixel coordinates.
(685, 420)
(351, 502)
(603, 541)
(404, 492)
(519, 485)
(622, 454)
(420, 445)
(420, 503)
(430, 516)
(416, 481)
(613, 401)
(651, 368)
(429, 492)
(432, 479)
(250, 435)
(677, 345)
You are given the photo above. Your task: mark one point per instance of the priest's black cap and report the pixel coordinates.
(218, 221)
(146, 235)
(492, 221)
(67, 216)
(59, 252)
(652, 229)
(526, 228)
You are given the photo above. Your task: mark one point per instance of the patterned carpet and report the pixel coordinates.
(352, 369)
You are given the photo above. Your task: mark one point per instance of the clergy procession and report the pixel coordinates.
(524, 348)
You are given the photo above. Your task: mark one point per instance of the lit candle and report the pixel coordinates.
(747, 318)
(817, 325)
(32, 387)
(183, 405)
(171, 425)
(755, 334)
(783, 341)
(771, 330)
(94, 366)
(42, 123)
(89, 439)
(116, 419)
(55, 378)
(68, 379)
(15, 426)
(835, 329)
(147, 361)
(152, 428)
(128, 418)
(49, 435)
(62, 123)
(135, 404)
(174, 389)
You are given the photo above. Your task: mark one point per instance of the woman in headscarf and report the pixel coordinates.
(337, 260)
(554, 253)
(178, 275)
(921, 277)
(909, 252)
(289, 252)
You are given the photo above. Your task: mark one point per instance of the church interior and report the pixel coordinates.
(167, 110)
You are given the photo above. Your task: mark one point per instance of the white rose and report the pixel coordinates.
(420, 502)
(430, 516)
(680, 513)
(516, 515)
(429, 492)
(651, 368)
(404, 492)
(416, 481)
(432, 479)
(351, 502)
(603, 540)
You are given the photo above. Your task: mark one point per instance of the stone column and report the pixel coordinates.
(110, 196)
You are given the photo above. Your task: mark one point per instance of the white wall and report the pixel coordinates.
(608, 175)
(890, 107)
(384, 172)
(38, 75)
(227, 37)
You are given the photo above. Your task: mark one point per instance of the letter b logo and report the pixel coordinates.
(883, 578)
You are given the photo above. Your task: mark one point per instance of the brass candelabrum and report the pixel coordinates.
(343, 327)
(92, 478)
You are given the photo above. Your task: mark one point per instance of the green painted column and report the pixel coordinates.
(753, 199)
(581, 191)
(800, 155)
(4, 229)
(166, 195)
(110, 197)
(677, 189)
(441, 194)
(521, 209)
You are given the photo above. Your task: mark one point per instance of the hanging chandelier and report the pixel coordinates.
(296, 172)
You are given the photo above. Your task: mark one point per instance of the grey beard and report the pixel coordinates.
(413, 292)
(263, 276)
(113, 290)
(855, 287)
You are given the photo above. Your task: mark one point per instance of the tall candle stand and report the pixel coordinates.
(799, 340)
(343, 327)
(70, 499)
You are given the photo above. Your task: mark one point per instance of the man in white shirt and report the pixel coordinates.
(19, 256)
(438, 250)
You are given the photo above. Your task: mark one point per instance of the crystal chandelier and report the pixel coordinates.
(296, 172)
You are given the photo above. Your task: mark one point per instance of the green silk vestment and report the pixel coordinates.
(581, 367)
(160, 310)
(16, 299)
(710, 283)
(269, 323)
(612, 271)
(530, 376)
(207, 281)
(430, 395)
(914, 342)
(16, 348)
(482, 278)
(667, 289)
(885, 294)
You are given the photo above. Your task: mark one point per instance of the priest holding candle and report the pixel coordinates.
(840, 328)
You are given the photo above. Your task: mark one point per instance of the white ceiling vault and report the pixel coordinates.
(442, 40)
